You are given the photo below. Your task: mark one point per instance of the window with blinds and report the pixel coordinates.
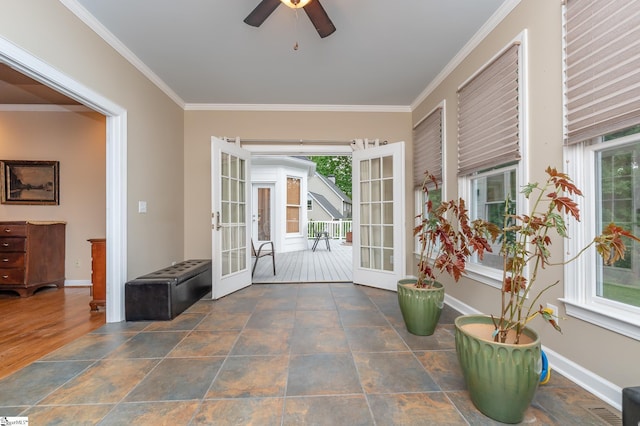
(602, 61)
(427, 148)
(488, 115)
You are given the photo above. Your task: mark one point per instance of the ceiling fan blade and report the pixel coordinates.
(261, 12)
(319, 18)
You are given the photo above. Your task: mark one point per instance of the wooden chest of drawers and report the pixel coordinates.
(31, 255)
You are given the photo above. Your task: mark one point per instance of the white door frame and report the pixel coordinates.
(116, 146)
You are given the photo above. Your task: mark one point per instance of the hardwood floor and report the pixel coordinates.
(31, 327)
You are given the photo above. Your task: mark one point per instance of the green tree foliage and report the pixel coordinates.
(338, 166)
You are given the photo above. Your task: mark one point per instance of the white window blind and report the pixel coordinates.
(427, 147)
(488, 115)
(602, 62)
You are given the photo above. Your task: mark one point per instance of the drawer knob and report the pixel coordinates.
(5, 244)
(7, 230)
(5, 276)
(5, 260)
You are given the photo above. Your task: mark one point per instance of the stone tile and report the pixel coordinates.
(177, 379)
(12, 411)
(155, 344)
(374, 339)
(202, 306)
(362, 317)
(35, 381)
(443, 366)
(183, 321)
(393, 372)
(152, 413)
(224, 320)
(234, 412)
(315, 340)
(282, 303)
(231, 304)
(316, 303)
(89, 347)
(441, 339)
(568, 406)
(318, 319)
(346, 290)
(415, 409)
(67, 414)
(269, 319)
(251, 376)
(205, 343)
(349, 410)
(106, 381)
(356, 302)
(121, 327)
(314, 289)
(263, 342)
(322, 374)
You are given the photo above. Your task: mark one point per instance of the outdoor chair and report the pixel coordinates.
(260, 253)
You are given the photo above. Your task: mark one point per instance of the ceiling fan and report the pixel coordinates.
(313, 8)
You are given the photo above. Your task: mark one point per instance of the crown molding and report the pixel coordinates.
(294, 107)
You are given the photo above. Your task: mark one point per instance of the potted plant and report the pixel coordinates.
(446, 239)
(500, 355)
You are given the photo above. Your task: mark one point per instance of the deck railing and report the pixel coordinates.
(337, 229)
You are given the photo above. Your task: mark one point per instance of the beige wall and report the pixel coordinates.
(77, 141)
(610, 355)
(155, 126)
(201, 125)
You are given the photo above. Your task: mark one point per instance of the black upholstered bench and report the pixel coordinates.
(164, 294)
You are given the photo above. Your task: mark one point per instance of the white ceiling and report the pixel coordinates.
(200, 52)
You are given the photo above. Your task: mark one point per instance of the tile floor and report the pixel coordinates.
(271, 354)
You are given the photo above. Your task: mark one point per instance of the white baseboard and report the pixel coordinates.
(586, 379)
(77, 283)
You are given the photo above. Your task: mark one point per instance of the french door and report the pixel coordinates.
(379, 216)
(230, 216)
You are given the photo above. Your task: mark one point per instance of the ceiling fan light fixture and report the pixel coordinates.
(295, 4)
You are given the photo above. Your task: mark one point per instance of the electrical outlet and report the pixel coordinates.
(553, 308)
(77, 263)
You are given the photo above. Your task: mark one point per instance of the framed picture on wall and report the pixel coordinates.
(30, 182)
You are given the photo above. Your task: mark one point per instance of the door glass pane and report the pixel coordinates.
(387, 213)
(376, 213)
(387, 236)
(387, 190)
(376, 235)
(387, 167)
(364, 170)
(375, 168)
(375, 190)
(376, 258)
(365, 195)
(264, 214)
(364, 236)
(387, 260)
(365, 262)
(224, 164)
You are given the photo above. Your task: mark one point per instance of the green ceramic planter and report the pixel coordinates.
(501, 378)
(421, 307)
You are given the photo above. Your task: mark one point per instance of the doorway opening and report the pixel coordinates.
(302, 204)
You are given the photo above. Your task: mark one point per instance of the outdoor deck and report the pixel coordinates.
(308, 266)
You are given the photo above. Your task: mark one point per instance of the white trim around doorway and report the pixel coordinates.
(116, 145)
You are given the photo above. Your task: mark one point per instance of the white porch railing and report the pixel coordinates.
(337, 229)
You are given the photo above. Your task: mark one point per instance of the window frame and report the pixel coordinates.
(290, 205)
(580, 297)
(480, 273)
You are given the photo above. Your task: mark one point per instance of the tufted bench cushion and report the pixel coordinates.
(164, 294)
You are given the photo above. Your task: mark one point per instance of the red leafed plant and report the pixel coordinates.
(447, 237)
(525, 241)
